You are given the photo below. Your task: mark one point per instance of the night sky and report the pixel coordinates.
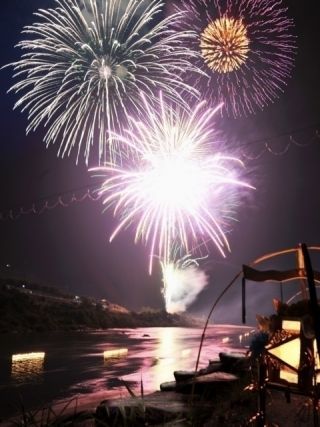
(69, 248)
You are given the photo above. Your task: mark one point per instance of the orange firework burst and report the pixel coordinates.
(246, 51)
(224, 44)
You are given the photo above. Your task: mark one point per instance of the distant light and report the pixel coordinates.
(27, 367)
(115, 353)
(27, 356)
(225, 340)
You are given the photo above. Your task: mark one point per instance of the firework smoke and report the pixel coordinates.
(183, 281)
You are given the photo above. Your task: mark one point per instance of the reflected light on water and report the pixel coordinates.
(244, 338)
(187, 352)
(27, 367)
(166, 360)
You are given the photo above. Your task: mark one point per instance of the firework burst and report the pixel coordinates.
(177, 186)
(83, 68)
(245, 46)
(224, 45)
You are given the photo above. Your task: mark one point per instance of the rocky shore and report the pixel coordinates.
(221, 395)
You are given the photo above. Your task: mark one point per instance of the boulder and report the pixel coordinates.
(234, 362)
(168, 386)
(184, 375)
(208, 381)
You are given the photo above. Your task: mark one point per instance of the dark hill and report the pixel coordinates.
(36, 308)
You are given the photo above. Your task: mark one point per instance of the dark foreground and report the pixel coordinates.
(92, 366)
(214, 399)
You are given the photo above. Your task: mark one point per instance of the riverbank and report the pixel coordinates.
(214, 404)
(217, 398)
(33, 310)
(89, 364)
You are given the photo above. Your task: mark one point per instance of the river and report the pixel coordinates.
(40, 370)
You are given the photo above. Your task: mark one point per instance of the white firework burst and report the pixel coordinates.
(83, 67)
(178, 185)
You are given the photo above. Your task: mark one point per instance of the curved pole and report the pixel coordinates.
(283, 252)
(273, 254)
(207, 322)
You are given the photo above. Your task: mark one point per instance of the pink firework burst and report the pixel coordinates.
(178, 185)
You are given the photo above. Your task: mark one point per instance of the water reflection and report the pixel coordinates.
(172, 349)
(27, 367)
(92, 364)
(186, 352)
(166, 352)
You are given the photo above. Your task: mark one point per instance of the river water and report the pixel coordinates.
(40, 370)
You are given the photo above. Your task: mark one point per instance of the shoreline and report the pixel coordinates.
(78, 359)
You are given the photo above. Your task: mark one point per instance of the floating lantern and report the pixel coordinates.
(27, 367)
(116, 353)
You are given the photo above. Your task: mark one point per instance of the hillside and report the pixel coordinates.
(39, 308)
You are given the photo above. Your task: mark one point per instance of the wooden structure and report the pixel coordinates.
(290, 361)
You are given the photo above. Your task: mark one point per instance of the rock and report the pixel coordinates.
(168, 386)
(184, 375)
(215, 377)
(234, 362)
(213, 380)
(213, 366)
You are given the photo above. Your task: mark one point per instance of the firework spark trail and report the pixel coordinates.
(182, 282)
(246, 47)
(81, 74)
(177, 186)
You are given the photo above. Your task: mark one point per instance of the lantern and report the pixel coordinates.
(290, 361)
(291, 356)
